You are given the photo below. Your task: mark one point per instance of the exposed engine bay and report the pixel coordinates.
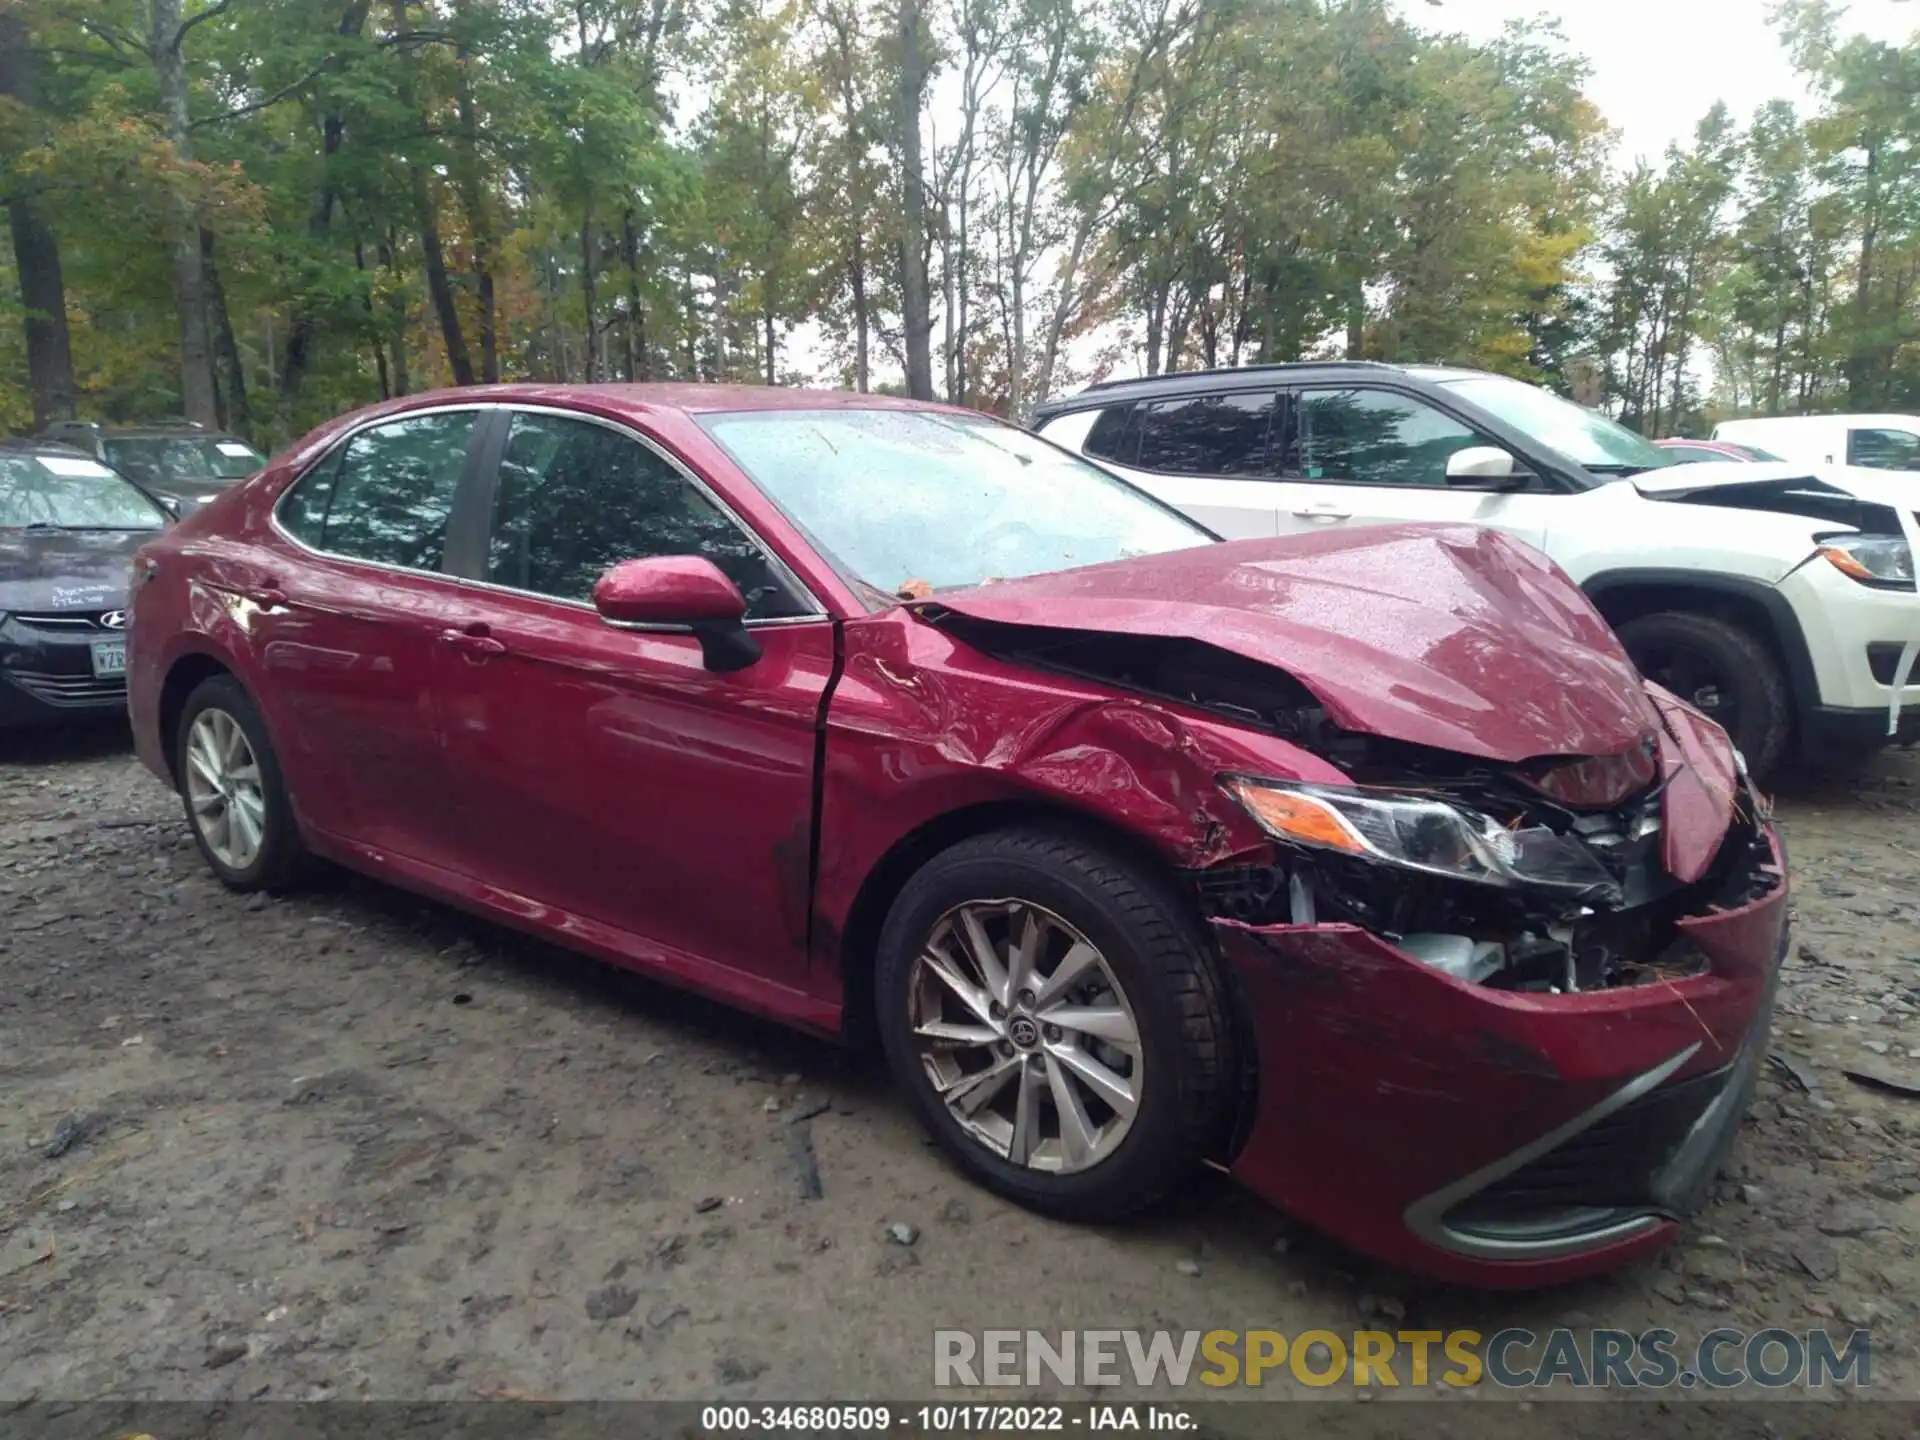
(1618, 930)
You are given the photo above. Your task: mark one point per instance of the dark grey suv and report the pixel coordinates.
(177, 459)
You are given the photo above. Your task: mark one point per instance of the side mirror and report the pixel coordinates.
(681, 590)
(172, 506)
(1481, 467)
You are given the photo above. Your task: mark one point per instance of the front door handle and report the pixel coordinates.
(1320, 510)
(476, 640)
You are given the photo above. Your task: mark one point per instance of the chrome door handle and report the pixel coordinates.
(475, 640)
(1323, 512)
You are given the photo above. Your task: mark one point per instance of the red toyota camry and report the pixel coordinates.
(1361, 863)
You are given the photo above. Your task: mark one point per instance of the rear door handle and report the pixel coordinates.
(475, 640)
(267, 594)
(1323, 511)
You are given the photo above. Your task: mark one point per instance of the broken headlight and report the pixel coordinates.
(1871, 559)
(1418, 832)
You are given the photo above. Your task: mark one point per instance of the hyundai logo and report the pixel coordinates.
(114, 620)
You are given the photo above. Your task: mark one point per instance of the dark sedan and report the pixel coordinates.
(69, 527)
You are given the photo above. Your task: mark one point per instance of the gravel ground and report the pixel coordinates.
(354, 1144)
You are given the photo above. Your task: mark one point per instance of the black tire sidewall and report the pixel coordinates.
(1761, 702)
(1160, 1136)
(279, 842)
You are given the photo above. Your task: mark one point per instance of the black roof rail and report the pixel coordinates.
(1278, 367)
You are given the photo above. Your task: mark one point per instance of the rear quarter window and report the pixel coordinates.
(1113, 436)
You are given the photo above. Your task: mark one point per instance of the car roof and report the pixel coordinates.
(35, 445)
(1184, 382)
(164, 432)
(654, 397)
(1786, 422)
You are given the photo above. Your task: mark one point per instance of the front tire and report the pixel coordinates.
(1053, 1013)
(235, 797)
(1724, 672)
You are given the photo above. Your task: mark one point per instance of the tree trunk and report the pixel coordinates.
(862, 321)
(959, 396)
(1860, 367)
(771, 352)
(373, 326)
(479, 215)
(590, 366)
(36, 254)
(226, 347)
(915, 302)
(439, 286)
(353, 19)
(397, 317)
(636, 331)
(189, 273)
(427, 226)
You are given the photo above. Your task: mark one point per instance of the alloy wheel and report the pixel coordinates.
(1026, 1035)
(224, 789)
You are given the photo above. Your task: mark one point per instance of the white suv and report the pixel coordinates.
(1777, 598)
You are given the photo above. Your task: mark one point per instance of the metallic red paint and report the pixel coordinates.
(532, 779)
(1449, 636)
(1373, 1065)
(665, 589)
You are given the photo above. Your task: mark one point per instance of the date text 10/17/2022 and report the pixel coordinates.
(945, 1419)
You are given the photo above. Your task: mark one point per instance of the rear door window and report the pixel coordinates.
(387, 494)
(1224, 434)
(1114, 436)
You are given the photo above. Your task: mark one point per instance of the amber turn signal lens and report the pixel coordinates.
(1298, 817)
(1846, 564)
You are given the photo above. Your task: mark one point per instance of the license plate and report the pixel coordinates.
(109, 657)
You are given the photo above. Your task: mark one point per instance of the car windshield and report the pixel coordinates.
(192, 459)
(1584, 436)
(892, 496)
(61, 492)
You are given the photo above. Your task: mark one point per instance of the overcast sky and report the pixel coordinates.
(1658, 65)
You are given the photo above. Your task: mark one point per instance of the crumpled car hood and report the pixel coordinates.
(1899, 489)
(1455, 637)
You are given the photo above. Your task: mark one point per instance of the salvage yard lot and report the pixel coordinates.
(352, 1143)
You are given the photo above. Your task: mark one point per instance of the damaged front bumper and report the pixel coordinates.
(1501, 1137)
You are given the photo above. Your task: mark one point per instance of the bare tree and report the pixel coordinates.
(982, 40)
(915, 297)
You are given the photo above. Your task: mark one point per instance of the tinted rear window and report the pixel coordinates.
(1112, 436)
(1207, 434)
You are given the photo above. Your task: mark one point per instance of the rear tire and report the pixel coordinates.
(236, 800)
(1151, 984)
(1701, 658)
